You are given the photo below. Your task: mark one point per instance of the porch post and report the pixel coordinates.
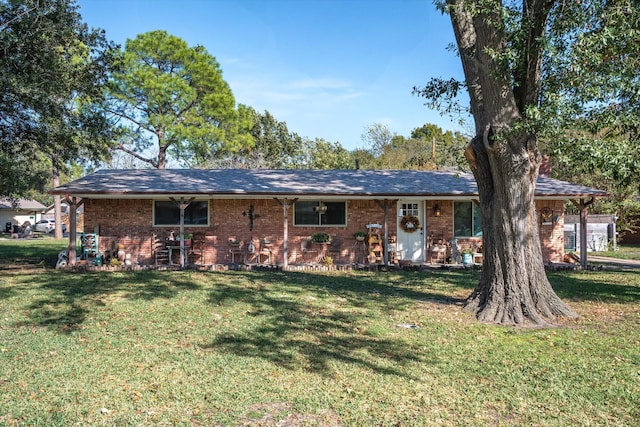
(285, 203)
(73, 206)
(182, 204)
(385, 205)
(584, 208)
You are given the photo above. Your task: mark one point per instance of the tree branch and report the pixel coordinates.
(124, 116)
(527, 73)
(152, 162)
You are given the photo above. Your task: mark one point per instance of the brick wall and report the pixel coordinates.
(128, 223)
(551, 235)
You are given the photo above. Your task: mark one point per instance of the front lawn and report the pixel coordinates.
(300, 349)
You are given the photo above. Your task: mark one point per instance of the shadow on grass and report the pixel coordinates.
(621, 286)
(313, 320)
(71, 295)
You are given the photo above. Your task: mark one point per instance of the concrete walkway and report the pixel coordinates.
(614, 262)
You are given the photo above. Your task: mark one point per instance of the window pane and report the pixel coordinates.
(168, 213)
(197, 213)
(408, 209)
(336, 214)
(305, 213)
(462, 219)
(477, 221)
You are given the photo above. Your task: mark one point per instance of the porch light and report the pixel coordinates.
(321, 208)
(436, 210)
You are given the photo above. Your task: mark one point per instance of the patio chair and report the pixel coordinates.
(159, 250)
(196, 251)
(306, 250)
(236, 249)
(265, 250)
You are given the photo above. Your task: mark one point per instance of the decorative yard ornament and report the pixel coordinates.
(251, 216)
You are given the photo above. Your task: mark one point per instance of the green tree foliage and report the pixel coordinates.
(173, 98)
(321, 154)
(447, 146)
(591, 101)
(428, 147)
(53, 70)
(272, 145)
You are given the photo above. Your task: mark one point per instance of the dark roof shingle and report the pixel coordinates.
(294, 183)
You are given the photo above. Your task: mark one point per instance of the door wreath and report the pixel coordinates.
(409, 223)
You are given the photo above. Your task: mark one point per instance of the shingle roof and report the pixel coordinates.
(131, 183)
(24, 204)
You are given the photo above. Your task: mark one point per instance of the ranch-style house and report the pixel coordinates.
(294, 217)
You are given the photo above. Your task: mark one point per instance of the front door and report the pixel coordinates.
(411, 228)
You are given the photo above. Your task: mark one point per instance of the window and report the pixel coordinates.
(313, 213)
(409, 209)
(466, 220)
(168, 213)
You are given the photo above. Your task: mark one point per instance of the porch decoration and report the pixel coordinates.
(321, 238)
(467, 256)
(546, 216)
(409, 223)
(360, 235)
(252, 216)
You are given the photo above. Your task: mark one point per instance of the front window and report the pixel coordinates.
(466, 220)
(167, 213)
(314, 213)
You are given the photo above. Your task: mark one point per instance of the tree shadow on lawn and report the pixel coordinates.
(72, 295)
(321, 319)
(622, 287)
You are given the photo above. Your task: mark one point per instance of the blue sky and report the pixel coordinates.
(328, 68)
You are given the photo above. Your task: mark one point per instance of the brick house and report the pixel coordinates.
(237, 214)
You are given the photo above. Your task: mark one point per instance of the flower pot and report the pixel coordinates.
(467, 259)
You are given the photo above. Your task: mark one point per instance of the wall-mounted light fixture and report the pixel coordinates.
(321, 208)
(546, 215)
(436, 210)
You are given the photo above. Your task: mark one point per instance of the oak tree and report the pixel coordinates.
(53, 70)
(508, 51)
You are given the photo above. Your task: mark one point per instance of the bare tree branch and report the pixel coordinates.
(121, 147)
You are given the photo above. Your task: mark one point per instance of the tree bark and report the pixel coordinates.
(513, 287)
(57, 204)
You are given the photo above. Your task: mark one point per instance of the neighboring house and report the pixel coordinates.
(131, 209)
(600, 232)
(15, 215)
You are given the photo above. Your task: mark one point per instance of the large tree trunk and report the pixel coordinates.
(513, 287)
(504, 158)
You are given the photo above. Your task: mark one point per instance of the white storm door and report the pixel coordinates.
(411, 243)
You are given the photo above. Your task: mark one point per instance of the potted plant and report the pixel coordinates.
(321, 238)
(467, 256)
(360, 235)
(188, 238)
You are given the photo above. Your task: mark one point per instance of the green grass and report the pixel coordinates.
(623, 252)
(259, 348)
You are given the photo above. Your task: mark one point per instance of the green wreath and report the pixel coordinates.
(409, 223)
